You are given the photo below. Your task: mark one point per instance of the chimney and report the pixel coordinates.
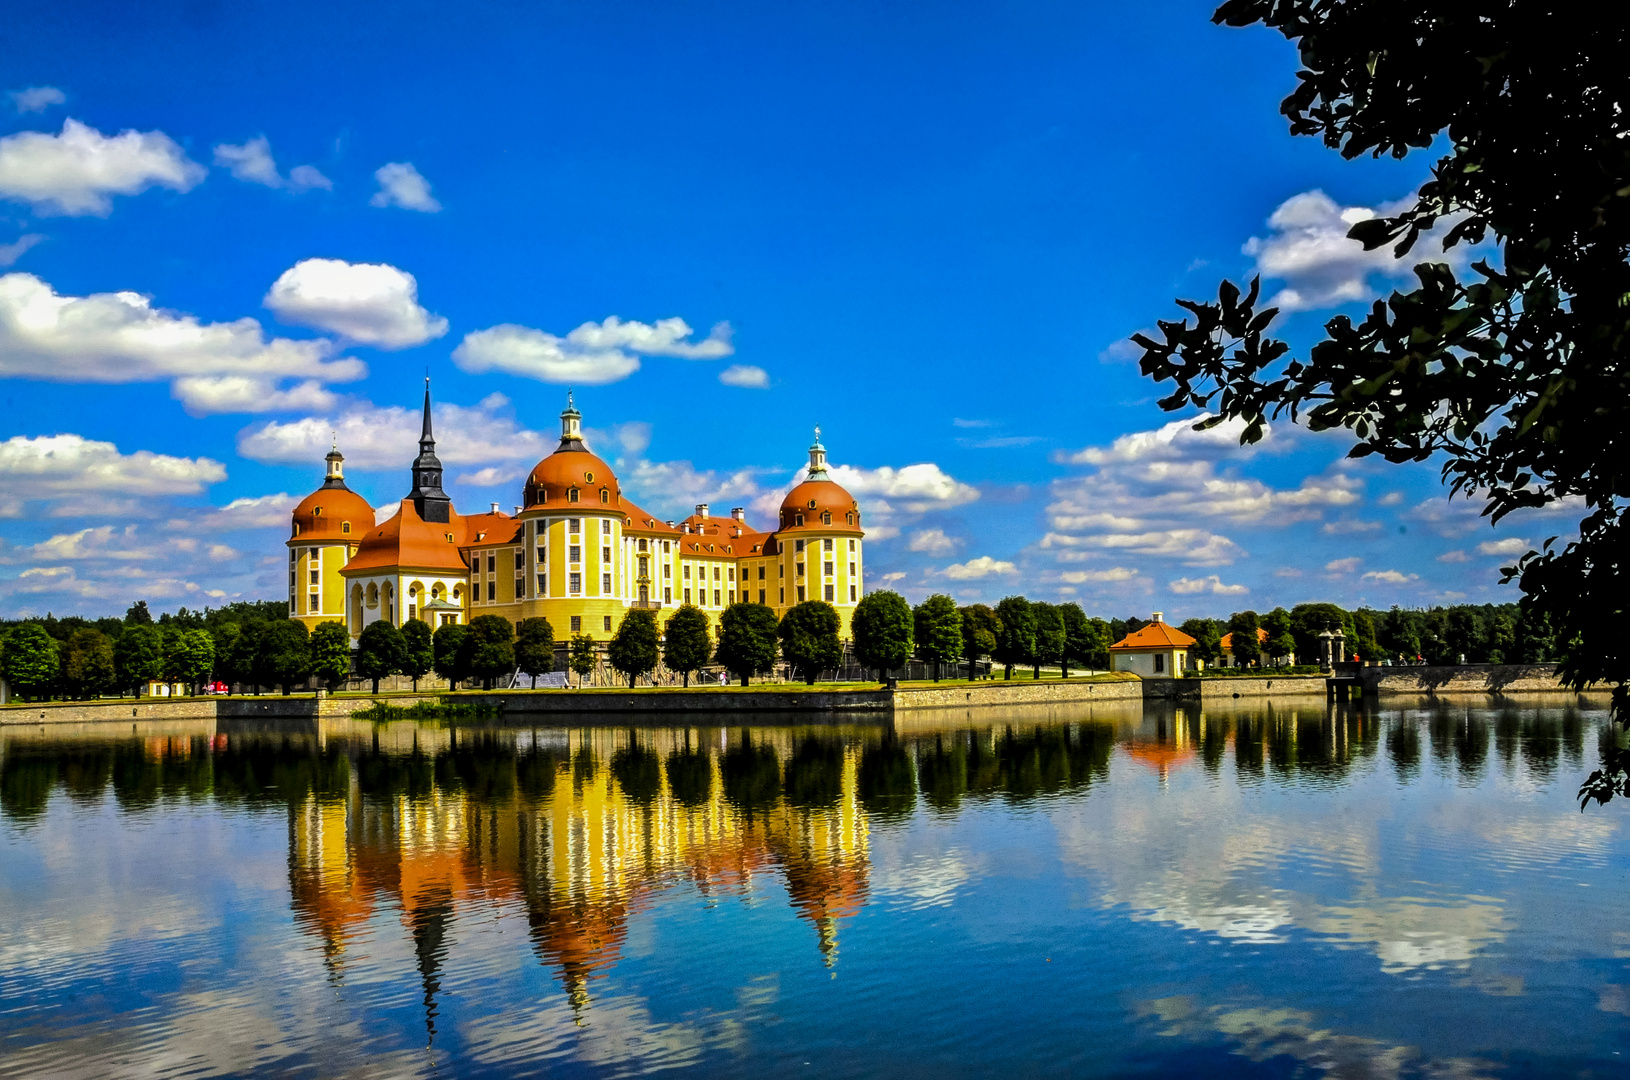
(739, 513)
(495, 508)
(684, 527)
(701, 510)
(670, 523)
(517, 510)
(1159, 616)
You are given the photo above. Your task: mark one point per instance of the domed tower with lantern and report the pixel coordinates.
(327, 526)
(818, 541)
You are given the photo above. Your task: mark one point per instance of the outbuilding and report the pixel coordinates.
(1157, 651)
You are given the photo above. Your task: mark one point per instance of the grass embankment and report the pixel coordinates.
(1257, 673)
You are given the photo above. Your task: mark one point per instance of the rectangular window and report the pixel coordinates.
(543, 586)
(574, 525)
(684, 571)
(577, 624)
(667, 596)
(665, 545)
(492, 563)
(543, 556)
(800, 569)
(851, 594)
(761, 596)
(797, 545)
(492, 591)
(761, 571)
(607, 624)
(605, 584)
(574, 584)
(731, 576)
(668, 570)
(1160, 661)
(605, 555)
(715, 572)
(851, 569)
(642, 545)
(687, 596)
(716, 598)
(827, 543)
(828, 568)
(605, 529)
(645, 566)
(851, 545)
(293, 579)
(315, 604)
(800, 594)
(829, 594)
(783, 598)
(413, 610)
(520, 588)
(780, 570)
(520, 560)
(314, 577)
(574, 554)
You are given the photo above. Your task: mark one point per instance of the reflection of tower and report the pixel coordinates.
(824, 854)
(324, 890)
(429, 916)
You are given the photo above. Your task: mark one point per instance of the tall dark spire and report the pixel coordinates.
(428, 498)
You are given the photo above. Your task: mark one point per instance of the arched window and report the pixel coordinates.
(826, 518)
(798, 519)
(849, 517)
(605, 496)
(449, 537)
(297, 528)
(571, 495)
(345, 526)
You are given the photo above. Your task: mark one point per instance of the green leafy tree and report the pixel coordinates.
(1281, 642)
(1536, 641)
(979, 629)
(1078, 643)
(225, 636)
(634, 649)
(251, 655)
(1308, 621)
(1464, 636)
(331, 652)
(87, 663)
(419, 650)
(190, 656)
(1244, 644)
(492, 648)
(1049, 636)
(686, 645)
(1207, 635)
(1364, 643)
(1500, 646)
(286, 652)
(583, 657)
(138, 656)
(31, 659)
(451, 653)
(534, 647)
(937, 627)
(883, 631)
(1016, 638)
(747, 640)
(138, 615)
(809, 638)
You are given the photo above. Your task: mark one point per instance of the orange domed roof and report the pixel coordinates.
(572, 469)
(333, 511)
(812, 501)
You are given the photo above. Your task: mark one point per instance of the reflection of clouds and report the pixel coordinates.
(1261, 1034)
(921, 880)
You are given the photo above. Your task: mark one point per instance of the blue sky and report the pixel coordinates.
(924, 227)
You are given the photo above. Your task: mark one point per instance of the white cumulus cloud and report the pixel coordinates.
(1196, 547)
(1454, 557)
(933, 541)
(253, 163)
(1390, 577)
(77, 171)
(591, 355)
(205, 395)
(1511, 545)
(401, 185)
(1210, 584)
(918, 488)
(1343, 566)
(370, 303)
(982, 567)
(1113, 574)
(36, 98)
(252, 512)
(57, 466)
(745, 376)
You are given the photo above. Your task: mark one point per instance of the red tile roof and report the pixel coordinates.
(1157, 635)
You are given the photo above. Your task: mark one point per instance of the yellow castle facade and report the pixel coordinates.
(577, 552)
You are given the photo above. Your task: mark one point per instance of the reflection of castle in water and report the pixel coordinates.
(580, 828)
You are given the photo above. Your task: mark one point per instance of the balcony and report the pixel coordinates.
(646, 605)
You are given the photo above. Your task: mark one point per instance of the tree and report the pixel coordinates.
(87, 663)
(138, 656)
(1364, 643)
(1016, 639)
(1207, 635)
(1464, 636)
(937, 627)
(138, 615)
(1245, 645)
(331, 653)
(534, 647)
(492, 648)
(451, 654)
(1308, 621)
(31, 660)
(584, 656)
(882, 630)
(634, 649)
(1281, 642)
(189, 656)
(747, 640)
(1514, 375)
(686, 644)
(809, 638)
(286, 651)
(979, 629)
(419, 650)
(1049, 636)
(250, 654)
(225, 636)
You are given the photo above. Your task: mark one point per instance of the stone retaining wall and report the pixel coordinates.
(1463, 679)
(982, 694)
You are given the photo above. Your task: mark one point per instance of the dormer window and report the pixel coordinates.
(345, 526)
(297, 528)
(798, 519)
(812, 504)
(571, 495)
(826, 518)
(449, 538)
(605, 496)
(850, 518)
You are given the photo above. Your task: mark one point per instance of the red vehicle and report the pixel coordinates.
(217, 688)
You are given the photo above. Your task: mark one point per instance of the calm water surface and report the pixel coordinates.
(1262, 892)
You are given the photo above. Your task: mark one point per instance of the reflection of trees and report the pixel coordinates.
(752, 774)
(638, 771)
(888, 782)
(815, 772)
(690, 775)
(1016, 764)
(1404, 747)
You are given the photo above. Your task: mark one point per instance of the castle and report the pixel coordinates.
(577, 551)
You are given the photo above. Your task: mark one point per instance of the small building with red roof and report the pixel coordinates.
(1157, 651)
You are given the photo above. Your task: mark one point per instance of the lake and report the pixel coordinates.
(1294, 890)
